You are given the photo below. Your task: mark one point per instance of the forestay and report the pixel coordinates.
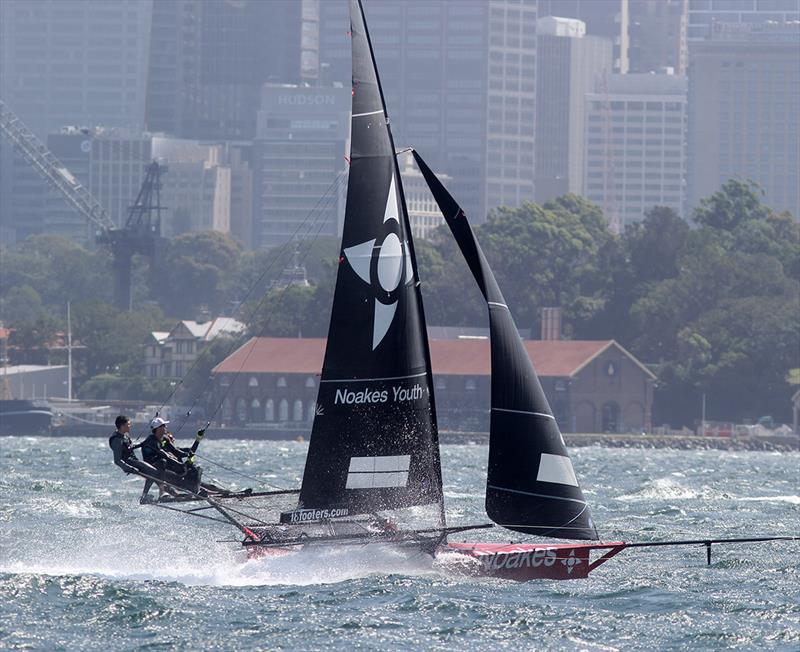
(374, 442)
(531, 485)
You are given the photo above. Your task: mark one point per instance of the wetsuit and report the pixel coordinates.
(167, 457)
(124, 456)
(126, 459)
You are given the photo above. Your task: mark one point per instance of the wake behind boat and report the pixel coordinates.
(373, 472)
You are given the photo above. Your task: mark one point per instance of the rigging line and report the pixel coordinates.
(325, 200)
(257, 308)
(244, 475)
(263, 329)
(320, 222)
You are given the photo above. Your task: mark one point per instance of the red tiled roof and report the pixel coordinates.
(467, 357)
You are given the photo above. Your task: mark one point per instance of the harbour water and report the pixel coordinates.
(84, 567)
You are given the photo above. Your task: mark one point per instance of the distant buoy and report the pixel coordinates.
(300, 439)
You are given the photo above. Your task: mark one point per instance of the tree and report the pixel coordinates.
(58, 269)
(31, 339)
(113, 340)
(549, 256)
(733, 204)
(21, 304)
(198, 271)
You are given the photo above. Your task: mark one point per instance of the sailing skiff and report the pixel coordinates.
(372, 473)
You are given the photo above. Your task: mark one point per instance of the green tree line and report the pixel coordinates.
(712, 305)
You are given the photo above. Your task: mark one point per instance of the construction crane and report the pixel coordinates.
(141, 233)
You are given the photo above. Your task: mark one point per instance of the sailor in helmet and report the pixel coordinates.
(126, 459)
(177, 464)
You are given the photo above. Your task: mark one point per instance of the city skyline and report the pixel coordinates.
(493, 102)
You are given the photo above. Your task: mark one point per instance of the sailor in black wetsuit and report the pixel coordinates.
(126, 459)
(177, 464)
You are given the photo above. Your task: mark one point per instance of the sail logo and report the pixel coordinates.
(398, 394)
(309, 515)
(393, 267)
(570, 562)
(523, 559)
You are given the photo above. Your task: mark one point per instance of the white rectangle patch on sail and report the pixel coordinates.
(556, 468)
(378, 472)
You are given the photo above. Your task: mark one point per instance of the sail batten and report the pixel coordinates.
(531, 484)
(374, 442)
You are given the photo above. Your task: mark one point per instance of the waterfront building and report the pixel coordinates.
(593, 386)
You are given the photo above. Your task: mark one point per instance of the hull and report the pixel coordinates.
(522, 562)
(519, 562)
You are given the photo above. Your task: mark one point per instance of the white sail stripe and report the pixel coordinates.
(497, 304)
(556, 469)
(359, 115)
(531, 493)
(536, 414)
(372, 380)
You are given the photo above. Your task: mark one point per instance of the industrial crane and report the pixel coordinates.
(141, 233)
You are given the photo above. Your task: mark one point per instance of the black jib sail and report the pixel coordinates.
(531, 486)
(374, 443)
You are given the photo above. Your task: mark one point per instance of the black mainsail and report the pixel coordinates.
(374, 442)
(531, 486)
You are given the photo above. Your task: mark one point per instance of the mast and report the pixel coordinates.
(69, 354)
(374, 442)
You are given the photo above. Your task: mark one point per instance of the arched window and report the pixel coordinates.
(283, 410)
(610, 417)
(470, 385)
(298, 410)
(241, 410)
(311, 411)
(227, 410)
(269, 410)
(441, 383)
(310, 382)
(252, 382)
(256, 415)
(281, 382)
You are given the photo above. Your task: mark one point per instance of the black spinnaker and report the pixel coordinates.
(531, 486)
(374, 443)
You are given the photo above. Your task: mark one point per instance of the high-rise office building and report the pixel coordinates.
(750, 76)
(459, 80)
(302, 141)
(657, 32)
(196, 187)
(703, 14)
(66, 62)
(570, 65)
(209, 59)
(635, 146)
(607, 18)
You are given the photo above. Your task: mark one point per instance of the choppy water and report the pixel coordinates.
(84, 567)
